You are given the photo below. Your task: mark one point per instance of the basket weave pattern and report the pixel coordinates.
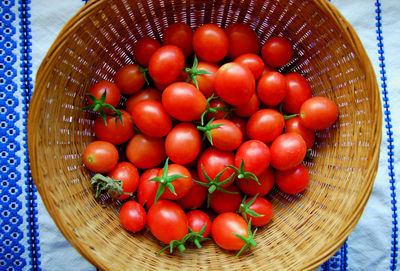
(306, 229)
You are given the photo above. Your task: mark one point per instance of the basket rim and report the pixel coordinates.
(331, 11)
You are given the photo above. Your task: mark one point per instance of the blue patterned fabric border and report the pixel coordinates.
(26, 85)
(389, 136)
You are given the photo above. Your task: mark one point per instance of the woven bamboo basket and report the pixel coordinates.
(306, 229)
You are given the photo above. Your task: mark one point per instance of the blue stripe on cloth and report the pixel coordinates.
(11, 249)
(389, 135)
(26, 85)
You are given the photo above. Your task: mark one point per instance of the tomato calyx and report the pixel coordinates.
(242, 174)
(193, 72)
(245, 210)
(215, 184)
(213, 110)
(99, 106)
(144, 71)
(288, 117)
(197, 237)
(165, 181)
(207, 130)
(249, 241)
(106, 185)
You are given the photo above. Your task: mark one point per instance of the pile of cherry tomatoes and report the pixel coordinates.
(206, 127)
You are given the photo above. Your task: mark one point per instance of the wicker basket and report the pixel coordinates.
(306, 229)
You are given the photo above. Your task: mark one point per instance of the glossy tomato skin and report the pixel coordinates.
(251, 188)
(113, 93)
(253, 62)
(183, 101)
(167, 221)
(210, 43)
(262, 207)
(206, 81)
(294, 180)
(226, 137)
(100, 156)
(114, 132)
(265, 125)
(129, 175)
(298, 91)
(181, 185)
(183, 143)
(132, 216)
(144, 94)
(214, 161)
(180, 35)
(256, 156)
(293, 125)
(242, 40)
(147, 190)
(249, 108)
(271, 88)
(318, 113)
(225, 202)
(196, 195)
(277, 51)
(143, 49)
(144, 151)
(129, 79)
(223, 227)
(166, 64)
(197, 219)
(151, 118)
(287, 151)
(234, 83)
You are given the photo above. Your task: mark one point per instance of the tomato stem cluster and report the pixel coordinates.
(245, 210)
(242, 174)
(99, 106)
(213, 110)
(193, 72)
(207, 129)
(249, 241)
(103, 184)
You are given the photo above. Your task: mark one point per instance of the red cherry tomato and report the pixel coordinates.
(287, 151)
(210, 43)
(271, 88)
(183, 143)
(294, 180)
(151, 118)
(253, 62)
(166, 64)
(293, 125)
(144, 94)
(181, 185)
(242, 40)
(255, 155)
(214, 161)
(129, 175)
(196, 195)
(223, 227)
(265, 125)
(183, 101)
(113, 94)
(206, 81)
(129, 79)
(100, 156)
(249, 108)
(180, 35)
(298, 91)
(144, 49)
(197, 219)
(277, 51)
(226, 137)
(144, 151)
(147, 190)
(116, 132)
(318, 113)
(234, 83)
(262, 207)
(251, 188)
(167, 221)
(225, 202)
(132, 216)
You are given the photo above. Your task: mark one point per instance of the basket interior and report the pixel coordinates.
(306, 228)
